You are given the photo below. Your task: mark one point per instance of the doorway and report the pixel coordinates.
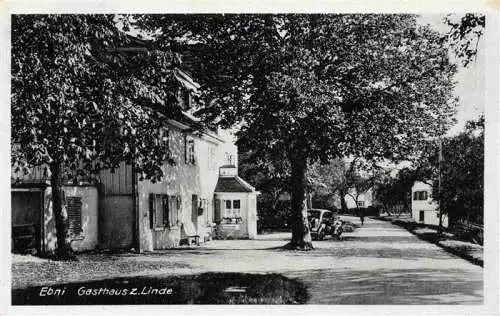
(27, 212)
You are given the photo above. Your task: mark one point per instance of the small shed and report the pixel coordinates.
(235, 206)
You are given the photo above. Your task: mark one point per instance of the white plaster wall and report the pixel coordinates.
(430, 218)
(429, 206)
(184, 180)
(90, 199)
(422, 205)
(252, 216)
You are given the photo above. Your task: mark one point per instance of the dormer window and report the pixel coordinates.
(185, 98)
(164, 138)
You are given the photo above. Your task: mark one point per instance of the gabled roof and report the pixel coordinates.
(233, 184)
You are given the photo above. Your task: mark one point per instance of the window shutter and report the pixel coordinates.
(152, 209)
(178, 208)
(167, 135)
(217, 217)
(194, 206)
(74, 211)
(191, 152)
(166, 217)
(186, 153)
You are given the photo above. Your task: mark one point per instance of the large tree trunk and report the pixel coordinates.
(309, 200)
(343, 204)
(301, 235)
(440, 227)
(275, 199)
(64, 251)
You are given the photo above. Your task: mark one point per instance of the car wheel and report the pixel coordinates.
(321, 235)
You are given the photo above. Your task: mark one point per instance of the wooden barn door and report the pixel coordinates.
(27, 213)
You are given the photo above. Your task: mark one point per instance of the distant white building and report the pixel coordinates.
(424, 208)
(364, 199)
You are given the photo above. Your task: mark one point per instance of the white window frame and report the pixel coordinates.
(419, 196)
(169, 212)
(232, 211)
(190, 150)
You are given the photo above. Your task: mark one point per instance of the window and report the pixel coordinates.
(186, 100)
(236, 204)
(232, 209)
(190, 154)
(74, 210)
(361, 203)
(420, 195)
(164, 210)
(421, 216)
(165, 138)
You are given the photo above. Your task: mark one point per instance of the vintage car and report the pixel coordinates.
(321, 223)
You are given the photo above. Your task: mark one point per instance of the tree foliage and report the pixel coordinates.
(78, 100)
(81, 102)
(464, 35)
(461, 194)
(345, 178)
(394, 193)
(361, 177)
(457, 176)
(330, 83)
(315, 87)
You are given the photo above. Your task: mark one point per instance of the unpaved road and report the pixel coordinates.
(378, 263)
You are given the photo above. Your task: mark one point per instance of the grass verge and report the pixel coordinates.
(465, 250)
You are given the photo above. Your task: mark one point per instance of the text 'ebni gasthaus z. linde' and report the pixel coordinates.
(86, 291)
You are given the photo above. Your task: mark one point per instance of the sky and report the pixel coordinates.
(470, 84)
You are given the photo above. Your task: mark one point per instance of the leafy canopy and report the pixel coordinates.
(86, 95)
(462, 174)
(317, 86)
(464, 35)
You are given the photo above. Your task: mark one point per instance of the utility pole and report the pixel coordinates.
(440, 159)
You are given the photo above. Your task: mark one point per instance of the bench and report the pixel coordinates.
(188, 233)
(23, 237)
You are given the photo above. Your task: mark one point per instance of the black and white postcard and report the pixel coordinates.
(180, 156)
